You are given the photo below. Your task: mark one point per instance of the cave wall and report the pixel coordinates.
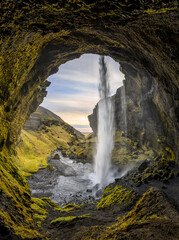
(33, 45)
(36, 37)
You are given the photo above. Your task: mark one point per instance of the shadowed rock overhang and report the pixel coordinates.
(36, 37)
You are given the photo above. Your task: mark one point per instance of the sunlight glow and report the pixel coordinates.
(73, 92)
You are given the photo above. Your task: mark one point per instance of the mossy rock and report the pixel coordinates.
(69, 218)
(117, 196)
(152, 209)
(56, 156)
(50, 167)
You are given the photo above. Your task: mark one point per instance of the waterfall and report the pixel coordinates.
(124, 110)
(105, 133)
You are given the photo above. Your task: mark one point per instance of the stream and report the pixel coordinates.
(68, 181)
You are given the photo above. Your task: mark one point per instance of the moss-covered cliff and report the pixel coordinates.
(37, 36)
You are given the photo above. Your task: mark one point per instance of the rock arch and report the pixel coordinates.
(36, 37)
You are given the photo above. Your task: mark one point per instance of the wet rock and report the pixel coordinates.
(96, 187)
(99, 193)
(143, 166)
(117, 180)
(138, 184)
(56, 156)
(62, 168)
(171, 175)
(156, 176)
(89, 190)
(145, 180)
(165, 181)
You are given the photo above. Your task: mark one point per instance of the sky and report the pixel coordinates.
(73, 92)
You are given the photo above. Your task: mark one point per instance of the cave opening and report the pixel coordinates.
(73, 92)
(145, 131)
(36, 38)
(72, 96)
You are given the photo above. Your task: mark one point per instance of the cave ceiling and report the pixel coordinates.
(38, 36)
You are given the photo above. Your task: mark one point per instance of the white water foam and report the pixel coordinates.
(105, 133)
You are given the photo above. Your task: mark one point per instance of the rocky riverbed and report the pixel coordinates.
(64, 180)
(143, 192)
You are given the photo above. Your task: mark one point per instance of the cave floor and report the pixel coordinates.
(85, 220)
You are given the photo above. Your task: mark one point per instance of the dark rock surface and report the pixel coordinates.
(157, 205)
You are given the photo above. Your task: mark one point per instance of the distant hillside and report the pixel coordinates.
(44, 117)
(43, 133)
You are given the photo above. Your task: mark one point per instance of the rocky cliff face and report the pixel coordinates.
(151, 119)
(36, 37)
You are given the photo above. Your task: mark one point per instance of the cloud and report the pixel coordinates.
(83, 129)
(74, 118)
(73, 92)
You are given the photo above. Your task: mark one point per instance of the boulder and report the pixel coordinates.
(143, 166)
(56, 156)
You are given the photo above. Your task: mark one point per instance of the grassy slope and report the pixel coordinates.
(35, 146)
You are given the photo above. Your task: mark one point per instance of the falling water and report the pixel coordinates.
(123, 106)
(105, 128)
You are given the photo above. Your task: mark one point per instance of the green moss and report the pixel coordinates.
(71, 207)
(162, 169)
(39, 206)
(25, 34)
(40, 211)
(148, 207)
(16, 213)
(79, 149)
(50, 167)
(36, 146)
(20, 229)
(152, 206)
(170, 154)
(116, 196)
(171, 174)
(127, 150)
(66, 209)
(51, 204)
(40, 217)
(69, 218)
(162, 10)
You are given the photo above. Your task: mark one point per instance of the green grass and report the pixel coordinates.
(36, 146)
